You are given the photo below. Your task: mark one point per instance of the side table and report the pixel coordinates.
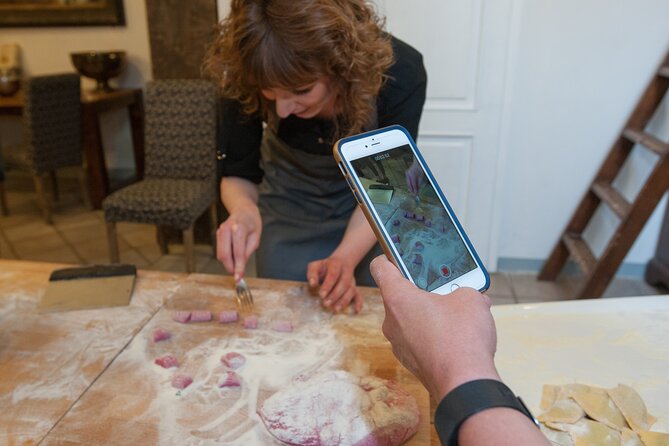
(92, 103)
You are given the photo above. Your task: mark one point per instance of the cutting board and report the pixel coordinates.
(134, 400)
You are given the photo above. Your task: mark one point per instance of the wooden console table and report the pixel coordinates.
(12, 105)
(92, 103)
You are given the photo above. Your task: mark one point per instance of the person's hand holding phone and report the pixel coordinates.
(237, 238)
(415, 177)
(337, 283)
(444, 340)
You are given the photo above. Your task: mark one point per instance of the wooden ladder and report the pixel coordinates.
(633, 216)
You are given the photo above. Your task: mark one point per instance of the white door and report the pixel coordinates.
(464, 45)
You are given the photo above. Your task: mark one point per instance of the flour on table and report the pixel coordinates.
(337, 408)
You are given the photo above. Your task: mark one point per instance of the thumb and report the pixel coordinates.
(385, 274)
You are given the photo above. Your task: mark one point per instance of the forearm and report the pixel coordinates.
(238, 192)
(358, 239)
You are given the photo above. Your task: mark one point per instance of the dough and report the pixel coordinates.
(167, 361)
(557, 437)
(629, 438)
(632, 407)
(250, 322)
(596, 403)
(161, 335)
(282, 326)
(339, 408)
(589, 433)
(233, 360)
(226, 317)
(654, 438)
(181, 381)
(563, 411)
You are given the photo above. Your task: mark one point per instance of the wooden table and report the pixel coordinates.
(93, 103)
(12, 105)
(87, 377)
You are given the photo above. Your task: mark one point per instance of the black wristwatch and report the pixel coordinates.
(470, 398)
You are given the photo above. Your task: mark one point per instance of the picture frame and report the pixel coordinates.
(47, 13)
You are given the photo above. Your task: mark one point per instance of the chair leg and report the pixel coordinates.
(83, 183)
(3, 200)
(213, 213)
(189, 249)
(42, 199)
(54, 186)
(112, 239)
(162, 240)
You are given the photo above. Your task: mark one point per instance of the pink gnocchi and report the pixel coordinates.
(250, 322)
(181, 381)
(200, 316)
(167, 361)
(233, 360)
(226, 317)
(230, 379)
(283, 326)
(181, 316)
(161, 335)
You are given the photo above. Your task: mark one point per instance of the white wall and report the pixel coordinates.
(577, 68)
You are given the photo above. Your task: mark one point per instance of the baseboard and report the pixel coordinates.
(512, 265)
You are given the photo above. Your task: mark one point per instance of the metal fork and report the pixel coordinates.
(244, 297)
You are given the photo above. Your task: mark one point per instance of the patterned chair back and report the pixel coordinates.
(52, 122)
(180, 129)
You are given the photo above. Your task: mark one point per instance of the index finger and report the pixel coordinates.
(239, 250)
(223, 248)
(332, 275)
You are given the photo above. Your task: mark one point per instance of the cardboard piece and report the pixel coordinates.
(90, 287)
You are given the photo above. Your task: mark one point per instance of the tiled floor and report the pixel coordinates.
(78, 236)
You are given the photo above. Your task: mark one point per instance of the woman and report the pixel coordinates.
(297, 75)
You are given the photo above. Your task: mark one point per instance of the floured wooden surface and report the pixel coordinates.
(602, 343)
(134, 403)
(48, 360)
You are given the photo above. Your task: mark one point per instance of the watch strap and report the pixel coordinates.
(471, 398)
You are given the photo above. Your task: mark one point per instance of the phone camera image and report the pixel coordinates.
(414, 217)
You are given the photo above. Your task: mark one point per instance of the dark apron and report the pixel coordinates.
(305, 206)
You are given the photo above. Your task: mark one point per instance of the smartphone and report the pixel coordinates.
(407, 210)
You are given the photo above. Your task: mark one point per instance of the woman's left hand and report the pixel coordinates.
(337, 283)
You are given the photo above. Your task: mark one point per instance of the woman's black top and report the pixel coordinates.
(400, 101)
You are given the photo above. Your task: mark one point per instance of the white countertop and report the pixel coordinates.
(599, 342)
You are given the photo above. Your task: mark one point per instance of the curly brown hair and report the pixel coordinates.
(290, 44)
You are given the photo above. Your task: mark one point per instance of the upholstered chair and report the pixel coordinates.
(179, 182)
(52, 134)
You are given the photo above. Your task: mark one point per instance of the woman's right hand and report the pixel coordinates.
(237, 238)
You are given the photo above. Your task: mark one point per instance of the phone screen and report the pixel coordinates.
(414, 217)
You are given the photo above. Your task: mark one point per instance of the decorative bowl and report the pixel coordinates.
(99, 65)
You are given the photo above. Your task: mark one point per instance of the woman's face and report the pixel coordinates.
(309, 101)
